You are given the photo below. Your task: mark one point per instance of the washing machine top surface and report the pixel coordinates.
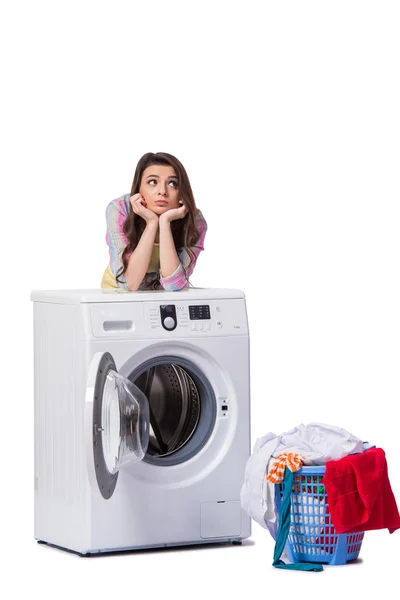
(119, 295)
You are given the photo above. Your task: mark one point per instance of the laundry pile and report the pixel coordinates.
(356, 480)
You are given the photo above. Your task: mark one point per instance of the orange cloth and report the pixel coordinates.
(291, 460)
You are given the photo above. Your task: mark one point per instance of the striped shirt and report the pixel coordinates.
(116, 214)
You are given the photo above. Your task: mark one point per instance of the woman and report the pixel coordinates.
(155, 234)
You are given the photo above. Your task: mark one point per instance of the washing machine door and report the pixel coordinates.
(119, 421)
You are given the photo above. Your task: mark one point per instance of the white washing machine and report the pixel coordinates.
(142, 418)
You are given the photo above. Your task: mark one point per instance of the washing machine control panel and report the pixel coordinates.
(187, 318)
(197, 312)
(198, 318)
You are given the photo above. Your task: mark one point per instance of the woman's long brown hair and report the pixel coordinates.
(183, 230)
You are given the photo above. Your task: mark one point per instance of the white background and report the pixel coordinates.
(286, 117)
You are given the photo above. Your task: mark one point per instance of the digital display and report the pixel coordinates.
(201, 312)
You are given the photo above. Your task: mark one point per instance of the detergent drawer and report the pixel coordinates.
(117, 320)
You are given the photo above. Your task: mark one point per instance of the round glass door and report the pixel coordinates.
(125, 422)
(121, 423)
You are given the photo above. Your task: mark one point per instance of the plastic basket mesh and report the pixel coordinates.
(312, 536)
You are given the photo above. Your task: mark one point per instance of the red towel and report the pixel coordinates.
(359, 494)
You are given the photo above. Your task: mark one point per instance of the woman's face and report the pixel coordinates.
(159, 188)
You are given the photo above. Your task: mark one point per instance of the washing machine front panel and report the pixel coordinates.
(117, 419)
(156, 504)
(221, 378)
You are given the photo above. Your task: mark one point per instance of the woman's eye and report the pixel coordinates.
(154, 182)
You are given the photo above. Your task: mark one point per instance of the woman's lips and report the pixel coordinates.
(161, 202)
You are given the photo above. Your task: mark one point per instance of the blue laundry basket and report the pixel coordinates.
(312, 536)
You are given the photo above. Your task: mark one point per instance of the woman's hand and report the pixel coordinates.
(138, 204)
(174, 213)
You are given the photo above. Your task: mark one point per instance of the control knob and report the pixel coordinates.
(169, 323)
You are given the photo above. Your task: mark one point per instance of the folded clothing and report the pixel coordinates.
(359, 493)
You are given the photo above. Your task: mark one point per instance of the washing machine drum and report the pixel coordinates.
(174, 405)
